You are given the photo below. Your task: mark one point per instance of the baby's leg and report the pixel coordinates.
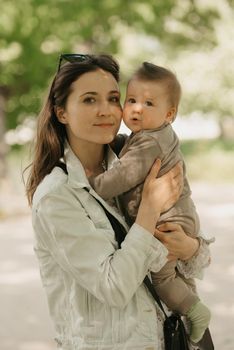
(173, 290)
(189, 281)
(180, 297)
(199, 316)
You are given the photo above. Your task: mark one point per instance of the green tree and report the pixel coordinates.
(34, 32)
(208, 78)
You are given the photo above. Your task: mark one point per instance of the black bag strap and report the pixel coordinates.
(206, 342)
(120, 234)
(118, 228)
(151, 289)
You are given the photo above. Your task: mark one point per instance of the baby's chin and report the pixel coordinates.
(135, 130)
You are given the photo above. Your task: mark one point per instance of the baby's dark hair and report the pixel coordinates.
(151, 72)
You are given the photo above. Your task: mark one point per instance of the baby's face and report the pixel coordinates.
(146, 105)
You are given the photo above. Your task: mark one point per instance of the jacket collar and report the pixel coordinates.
(76, 173)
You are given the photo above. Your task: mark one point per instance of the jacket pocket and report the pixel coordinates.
(91, 325)
(146, 327)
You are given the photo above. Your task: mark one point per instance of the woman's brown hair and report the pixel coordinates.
(51, 134)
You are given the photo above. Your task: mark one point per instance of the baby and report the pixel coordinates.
(152, 99)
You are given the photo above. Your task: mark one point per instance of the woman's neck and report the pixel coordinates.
(90, 155)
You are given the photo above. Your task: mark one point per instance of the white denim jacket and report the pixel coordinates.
(95, 293)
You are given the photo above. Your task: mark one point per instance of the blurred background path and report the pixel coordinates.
(24, 320)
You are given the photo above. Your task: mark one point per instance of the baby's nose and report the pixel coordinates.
(137, 107)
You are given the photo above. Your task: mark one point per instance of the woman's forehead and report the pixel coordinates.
(97, 81)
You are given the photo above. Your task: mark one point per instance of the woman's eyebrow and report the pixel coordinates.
(89, 93)
(114, 92)
(95, 93)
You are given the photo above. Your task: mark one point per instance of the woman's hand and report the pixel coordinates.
(159, 194)
(179, 245)
(163, 192)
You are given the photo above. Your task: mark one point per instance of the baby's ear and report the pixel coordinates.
(61, 114)
(171, 114)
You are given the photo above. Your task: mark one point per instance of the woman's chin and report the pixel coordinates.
(107, 138)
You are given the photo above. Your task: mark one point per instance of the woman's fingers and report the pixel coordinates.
(177, 177)
(169, 226)
(164, 191)
(159, 235)
(154, 170)
(168, 232)
(176, 240)
(177, 170)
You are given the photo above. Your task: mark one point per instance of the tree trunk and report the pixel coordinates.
(3, 145)
(226, 125)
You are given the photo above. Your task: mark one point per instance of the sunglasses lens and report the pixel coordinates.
(73, 57)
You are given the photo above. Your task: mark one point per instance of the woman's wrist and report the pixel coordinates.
(147, 217)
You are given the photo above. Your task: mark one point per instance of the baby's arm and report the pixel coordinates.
(118, 143)
(131, 169)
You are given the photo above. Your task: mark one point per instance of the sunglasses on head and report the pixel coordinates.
(72, 57)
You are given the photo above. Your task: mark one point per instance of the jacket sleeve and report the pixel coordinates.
(131, 170)
(87, 251)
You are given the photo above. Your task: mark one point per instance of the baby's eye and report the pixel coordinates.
(89, 100)
(148, 103)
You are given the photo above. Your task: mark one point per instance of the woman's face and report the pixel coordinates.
(93, 112)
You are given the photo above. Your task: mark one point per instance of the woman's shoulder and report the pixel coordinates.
(51, 183)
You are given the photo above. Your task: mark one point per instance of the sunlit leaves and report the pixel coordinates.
(34, 32)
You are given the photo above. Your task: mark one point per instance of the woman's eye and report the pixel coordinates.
(115, 99)
(131, 100)
(149, 103)
(89, 100)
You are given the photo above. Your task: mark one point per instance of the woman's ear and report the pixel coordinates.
(61, 114)
(171, 114)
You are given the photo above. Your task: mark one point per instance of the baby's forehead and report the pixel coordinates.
(136, 85)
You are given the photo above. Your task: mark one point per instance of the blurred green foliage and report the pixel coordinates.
(34, 32)
(190, 148)
(208, 81)
(209, 160)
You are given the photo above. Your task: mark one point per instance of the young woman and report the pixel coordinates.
(94, 288)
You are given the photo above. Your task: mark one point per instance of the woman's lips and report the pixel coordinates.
(104, 125)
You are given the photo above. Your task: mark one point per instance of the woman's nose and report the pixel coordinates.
(104, 108)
